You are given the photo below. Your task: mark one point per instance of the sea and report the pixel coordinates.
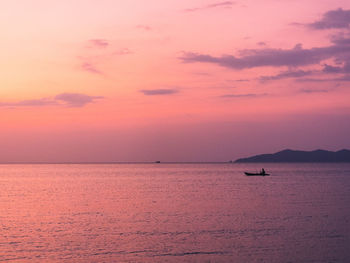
(166, 212)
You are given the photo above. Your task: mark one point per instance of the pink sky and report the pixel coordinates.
(205, 80)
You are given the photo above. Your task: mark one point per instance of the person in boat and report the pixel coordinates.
(262, 171)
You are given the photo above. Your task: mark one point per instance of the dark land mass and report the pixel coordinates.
(291, 156)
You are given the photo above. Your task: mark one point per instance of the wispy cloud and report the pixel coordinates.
(64, 99)
(297, 56)
(76, 99)
(345, 68)
(144, 27)
(287, 74)
(29, 103)
(338, 18)
(339, 51)
(314, 90)
(261, 43)
(99, 43)
(332, 69)
(341, 39)
(91, 68)
(249, 95)
(344, 78)
(123, 51)
(242, 80)
(98, 54)
(225, 4)
(155, 92)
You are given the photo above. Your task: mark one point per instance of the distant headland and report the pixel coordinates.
(292, 156)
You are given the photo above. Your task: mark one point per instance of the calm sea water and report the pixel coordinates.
(174, 213)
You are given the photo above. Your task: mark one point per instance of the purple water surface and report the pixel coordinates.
(174, 213)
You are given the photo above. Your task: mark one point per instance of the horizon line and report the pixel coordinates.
(121, 162)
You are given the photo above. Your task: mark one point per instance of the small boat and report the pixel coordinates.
(256, 174)
(157, 161)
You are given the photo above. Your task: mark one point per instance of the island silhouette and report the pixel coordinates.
(294, 156)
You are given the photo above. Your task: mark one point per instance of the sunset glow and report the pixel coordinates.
(104, 81)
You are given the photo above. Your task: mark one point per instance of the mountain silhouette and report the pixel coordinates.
(292, 156)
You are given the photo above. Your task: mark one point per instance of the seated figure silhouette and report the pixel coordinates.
(262, 171)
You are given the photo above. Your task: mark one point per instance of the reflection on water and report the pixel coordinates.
(174, 213)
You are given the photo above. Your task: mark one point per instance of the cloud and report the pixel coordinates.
(327, 69)
(340, 40)
(294, 59)
(331, 69)
(287, 74)
(242, 80)
(90, 62)
(64, 99)
(29, 103)
(249, 95)
(337, 69)
(91, 68)
(225, 4)
(144, 27)
(261, 43)
(314, 90)
(76, 99)
(99, 43)
(344, 78)
(251, 58)
(154, 92)
(123, 51)
(338, 18)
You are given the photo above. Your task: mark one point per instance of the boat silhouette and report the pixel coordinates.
(256, 174)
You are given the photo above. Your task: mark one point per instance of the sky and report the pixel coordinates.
(194, 80)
